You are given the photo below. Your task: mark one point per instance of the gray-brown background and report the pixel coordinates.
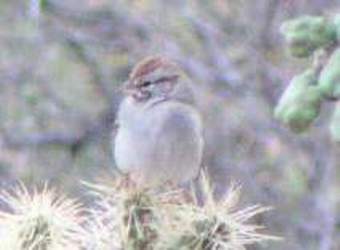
(61, 64)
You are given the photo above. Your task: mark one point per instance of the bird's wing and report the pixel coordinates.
(114, 131)
(179, 144)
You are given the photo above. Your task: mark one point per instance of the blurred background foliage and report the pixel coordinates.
(62, 62)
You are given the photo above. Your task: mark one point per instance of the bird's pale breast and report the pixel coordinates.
(159, 142)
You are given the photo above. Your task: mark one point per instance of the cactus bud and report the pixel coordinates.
(306, 34)
(329, 80)
(300, 104)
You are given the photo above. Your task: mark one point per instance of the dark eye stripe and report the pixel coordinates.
(145, 84)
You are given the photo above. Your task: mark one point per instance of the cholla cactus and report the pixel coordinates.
(103, 225)
(126, 219)
(216, 225)
(122, 218)
(300, 103)
(39, 220)
(306, 34)
(330, 77)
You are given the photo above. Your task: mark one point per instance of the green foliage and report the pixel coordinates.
(300, 104)
(295, 181)
(44, 4)
(330, 77)
(30, 94)
(306, 34)
(334, 126)
(337, 26)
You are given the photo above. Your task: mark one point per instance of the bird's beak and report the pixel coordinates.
(128, 89)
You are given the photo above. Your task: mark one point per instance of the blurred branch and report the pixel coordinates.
(88, 130)
(34, 8)
(75, 140)
(78, 47)
(116, 24)
(265, 35)
(36, 139)
(325, 201)
(227, 73)
(99, 78)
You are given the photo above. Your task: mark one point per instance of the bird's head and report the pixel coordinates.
(153, 77)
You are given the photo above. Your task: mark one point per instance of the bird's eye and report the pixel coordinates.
(146, 84)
